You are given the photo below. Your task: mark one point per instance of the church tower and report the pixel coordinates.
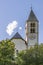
(32, 29)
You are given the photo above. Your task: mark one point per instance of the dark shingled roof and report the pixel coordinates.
(18, 36)
(32, 16)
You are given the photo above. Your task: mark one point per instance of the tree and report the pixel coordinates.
(7, 50)
(32, 56)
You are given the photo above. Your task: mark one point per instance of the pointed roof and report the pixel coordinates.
(17, 36)
(32, 16)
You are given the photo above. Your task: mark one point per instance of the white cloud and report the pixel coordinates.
(20, 28)
(11, 26)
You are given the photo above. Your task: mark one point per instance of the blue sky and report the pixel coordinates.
(18, 10)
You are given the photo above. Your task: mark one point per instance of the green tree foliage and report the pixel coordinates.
(7, 52)
(32, 56)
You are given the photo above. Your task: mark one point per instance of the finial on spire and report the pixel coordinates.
(31, 6)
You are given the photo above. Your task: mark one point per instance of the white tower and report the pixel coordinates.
(32, 30)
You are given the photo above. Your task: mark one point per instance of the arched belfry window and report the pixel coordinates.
(32, 27)
(32, 30)
(32, 24)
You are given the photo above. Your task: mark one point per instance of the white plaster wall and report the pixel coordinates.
(19, 44)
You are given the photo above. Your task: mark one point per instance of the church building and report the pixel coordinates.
(32, 31)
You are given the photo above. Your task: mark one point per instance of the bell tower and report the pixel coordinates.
(32, 29)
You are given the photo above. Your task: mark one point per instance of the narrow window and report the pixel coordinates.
(16, 51)
(32, 30)
(32, 24)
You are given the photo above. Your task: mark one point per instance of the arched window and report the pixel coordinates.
(16, 51)
(32, 30)
(32, 24)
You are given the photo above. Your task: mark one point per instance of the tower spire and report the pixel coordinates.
(32, 16)
(31, 6)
